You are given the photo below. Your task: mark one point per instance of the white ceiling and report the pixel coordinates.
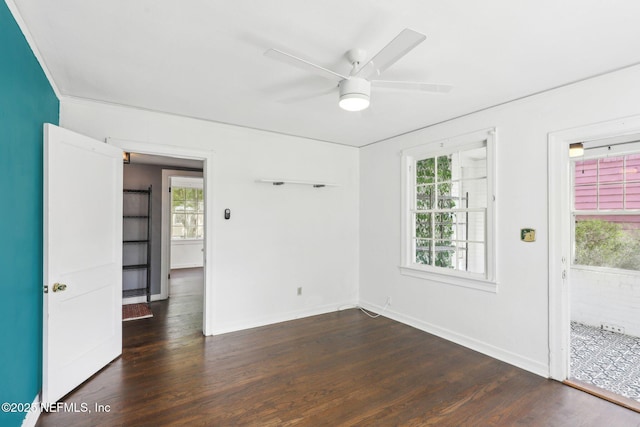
(204, 58)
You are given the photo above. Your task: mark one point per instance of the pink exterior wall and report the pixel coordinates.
(609, 183)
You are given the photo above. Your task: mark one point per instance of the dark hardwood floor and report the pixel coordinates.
(341, 368)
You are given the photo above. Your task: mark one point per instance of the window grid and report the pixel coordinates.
(606, 212)
(187, 213)
(438, 194)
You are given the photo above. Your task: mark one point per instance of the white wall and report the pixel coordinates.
(187, 253)
(512, 324)
(600, 296)
(279, 238)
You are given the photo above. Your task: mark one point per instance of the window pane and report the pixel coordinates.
(444, 225)
(179, 219)
(449, 196)
(633, 195)
(586, 197)
(425, 171)
(423, 225)
(190, 193)
(191, 206)
(608, 241)
(177, 206)
(199, 194)
(200, 206)
(191, 232)
(610, 169)
(200, 232)
(424, 197)
(445, 253)
(475, 258)
(444, 168)
(454, 167)
(423, 251)
(200, 219)
(632, 171)
(474, 192)
(586, 172)
(473, 163)
(476, 226)
(177, 232)
(610, 196)
(446, 185)
(177, 193)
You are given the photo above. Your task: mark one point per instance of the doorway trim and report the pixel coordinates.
(207, 171)
(559, 195)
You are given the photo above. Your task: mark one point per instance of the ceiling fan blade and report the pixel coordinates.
(391, 53)
(418, 86)
(294, 99)
(303, 64)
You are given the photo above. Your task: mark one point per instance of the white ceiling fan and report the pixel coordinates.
(355, 89)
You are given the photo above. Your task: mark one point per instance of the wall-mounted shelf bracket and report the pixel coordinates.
(314, 184)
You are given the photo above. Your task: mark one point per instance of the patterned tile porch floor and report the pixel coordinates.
(606, 359)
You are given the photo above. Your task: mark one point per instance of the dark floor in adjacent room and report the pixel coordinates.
(341, 368)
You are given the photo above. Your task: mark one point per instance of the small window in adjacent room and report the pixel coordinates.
(448, 221)
(187, 213)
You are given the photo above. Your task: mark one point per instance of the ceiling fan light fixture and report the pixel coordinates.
(354, 102)
(354, 94)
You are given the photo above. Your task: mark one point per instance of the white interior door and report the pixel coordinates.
(82, 329)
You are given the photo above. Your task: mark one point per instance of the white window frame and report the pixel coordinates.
(486, 281)
(183, 182)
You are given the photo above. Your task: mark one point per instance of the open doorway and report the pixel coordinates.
(594, 282)
(188, 159)
(605, 267)
(145, 238)
(183, 215)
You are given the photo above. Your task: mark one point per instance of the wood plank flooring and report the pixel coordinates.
(341, 368)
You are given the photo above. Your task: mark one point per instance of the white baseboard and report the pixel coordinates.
(32, 416)
(506, 356)
(284, 317)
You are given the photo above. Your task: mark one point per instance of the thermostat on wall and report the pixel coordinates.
(528, 234)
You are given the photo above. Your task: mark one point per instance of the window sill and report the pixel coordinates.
(450, 279)
(186, 241)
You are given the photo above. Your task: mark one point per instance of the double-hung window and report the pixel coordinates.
(448, 218)
(187, 212)
(606, 208)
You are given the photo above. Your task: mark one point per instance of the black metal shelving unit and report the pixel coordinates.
(136, 242)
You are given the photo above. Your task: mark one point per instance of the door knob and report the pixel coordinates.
(59, 287)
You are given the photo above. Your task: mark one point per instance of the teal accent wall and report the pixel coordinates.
(26, 102)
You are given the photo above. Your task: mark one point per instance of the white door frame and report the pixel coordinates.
(165, 256)
(209, 205)
(559, 190)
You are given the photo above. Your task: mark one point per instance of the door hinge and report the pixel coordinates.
(46, 289)
(169, 189)
(564, 274)
(169, 276)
